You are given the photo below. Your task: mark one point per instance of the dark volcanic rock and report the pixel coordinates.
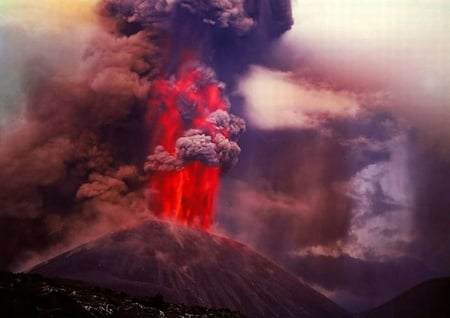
(26, 295)
(190, 267)
(430, 299)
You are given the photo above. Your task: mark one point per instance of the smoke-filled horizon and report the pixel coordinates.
(345, 162)
(342, 171)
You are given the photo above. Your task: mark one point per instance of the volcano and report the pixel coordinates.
(189, 266)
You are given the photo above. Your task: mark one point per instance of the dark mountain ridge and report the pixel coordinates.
(31, 295)
(430, 299)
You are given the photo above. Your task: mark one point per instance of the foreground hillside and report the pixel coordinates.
(31, 295)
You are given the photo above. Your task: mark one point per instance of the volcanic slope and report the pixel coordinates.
(188, 266)
(430, 299)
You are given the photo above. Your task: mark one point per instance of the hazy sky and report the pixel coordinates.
(371, 76)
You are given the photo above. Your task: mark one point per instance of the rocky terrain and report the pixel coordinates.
(31, 295)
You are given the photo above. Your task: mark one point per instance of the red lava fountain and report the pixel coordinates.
(186, 193)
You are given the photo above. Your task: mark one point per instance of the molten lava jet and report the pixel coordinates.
(193, 142)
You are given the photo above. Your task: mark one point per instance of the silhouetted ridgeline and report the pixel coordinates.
(431, 299)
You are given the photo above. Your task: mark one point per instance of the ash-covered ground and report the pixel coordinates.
(31, 295)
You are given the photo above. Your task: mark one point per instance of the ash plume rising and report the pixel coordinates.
(194, 138)
(194, 135)
(79, 160)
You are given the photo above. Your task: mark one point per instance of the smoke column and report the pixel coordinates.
(125, 112)
(193, 135)
(193, 144)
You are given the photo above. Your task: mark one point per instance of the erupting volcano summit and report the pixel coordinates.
(194, 140)
(191, 267)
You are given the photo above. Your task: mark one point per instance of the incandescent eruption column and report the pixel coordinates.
(193, 136)
(194, 140)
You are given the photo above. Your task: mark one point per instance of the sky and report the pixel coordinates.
(344, 167)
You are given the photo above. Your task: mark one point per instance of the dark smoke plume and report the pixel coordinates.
(73, 168)
(78, 151)
(214, 145)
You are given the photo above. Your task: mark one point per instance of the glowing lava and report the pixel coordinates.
(187, 192)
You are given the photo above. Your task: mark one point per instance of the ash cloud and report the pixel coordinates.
(161, 160)
(75, 154)
(348, 180)
(204, 24)
(223, 120)
(214, 144)
(298, 199)
(212, 148)
(227, 35)
(377, 107)
(339, 195)
(195, 146)
(223, 14)
(239, 16)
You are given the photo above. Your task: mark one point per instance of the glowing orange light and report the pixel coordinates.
(187, 195)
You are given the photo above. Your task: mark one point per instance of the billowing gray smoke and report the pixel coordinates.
(75, 164)
(213, 142)
(225, 34)
(240, 16)
(195, 145)
(194, 26)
